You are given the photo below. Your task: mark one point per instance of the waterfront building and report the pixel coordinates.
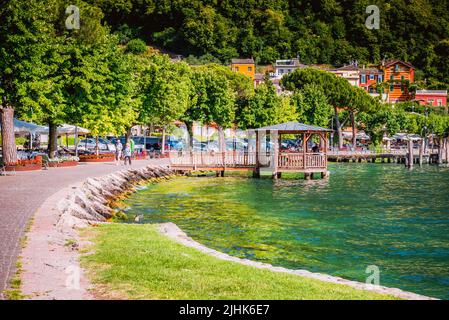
(399, 75)
(434, 98)
(244, 66)
(349, 72)
(283, 67)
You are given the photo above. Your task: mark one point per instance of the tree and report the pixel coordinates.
(37, 59)
(104, 89)
(312, 106)
(266, 108)
(25, 37)
(212, 101)
(165, 92)
(339, 93)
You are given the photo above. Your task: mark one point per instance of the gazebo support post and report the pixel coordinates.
(76, 141)
(275, 137)
(256, 172)
(410, 153)
(421, 152)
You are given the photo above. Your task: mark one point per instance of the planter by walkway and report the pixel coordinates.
(99, 158)
(27, 167)
(63, 164)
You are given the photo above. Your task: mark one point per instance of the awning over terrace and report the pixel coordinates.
(23, 127)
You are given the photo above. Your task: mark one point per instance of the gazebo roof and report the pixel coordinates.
(294, 126)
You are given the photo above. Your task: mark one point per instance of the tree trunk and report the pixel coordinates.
(338, 126)
(52, 140)
(128, 135)
(189, 126)
(97, 147)
(221, 139)
(9, 150)
(354, 136)
(163, 140)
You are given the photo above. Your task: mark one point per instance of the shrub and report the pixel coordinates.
(136, 46)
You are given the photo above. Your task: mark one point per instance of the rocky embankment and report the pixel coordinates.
(91, 202)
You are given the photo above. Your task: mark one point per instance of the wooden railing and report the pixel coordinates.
(240, 159)
(213, 159)
(302, 160)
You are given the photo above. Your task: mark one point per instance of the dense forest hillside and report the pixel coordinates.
(318, 31)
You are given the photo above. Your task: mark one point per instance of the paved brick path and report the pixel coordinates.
(23, 193)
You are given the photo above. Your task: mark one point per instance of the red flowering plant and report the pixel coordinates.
(27, 162)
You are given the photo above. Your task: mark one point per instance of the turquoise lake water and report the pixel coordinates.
(364, 214)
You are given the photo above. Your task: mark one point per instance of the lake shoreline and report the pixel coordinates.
(68, 223)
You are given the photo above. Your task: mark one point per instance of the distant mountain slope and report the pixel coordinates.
(318, 31)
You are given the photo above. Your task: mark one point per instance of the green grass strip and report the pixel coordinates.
(137, 262)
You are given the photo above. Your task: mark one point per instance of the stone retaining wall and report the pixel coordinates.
(89, 204)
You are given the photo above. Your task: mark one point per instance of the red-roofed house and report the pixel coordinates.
(434, 98)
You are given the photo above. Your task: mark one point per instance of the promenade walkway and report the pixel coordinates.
(21, 194)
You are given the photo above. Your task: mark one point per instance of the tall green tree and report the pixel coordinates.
(339, 93)
(165, 92)
(25, 38)
(312, 106)
(265, 108)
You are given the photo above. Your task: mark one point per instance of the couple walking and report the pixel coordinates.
(127, 151)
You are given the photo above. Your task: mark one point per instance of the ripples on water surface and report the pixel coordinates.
(365, 214)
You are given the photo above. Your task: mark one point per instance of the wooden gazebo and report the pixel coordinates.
(310, 158)
(267, 155)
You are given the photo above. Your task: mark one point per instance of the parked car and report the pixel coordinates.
(174, 145)
(91, 144)
(199, 146)
(153, 143)
(139, 142)
(236, 144)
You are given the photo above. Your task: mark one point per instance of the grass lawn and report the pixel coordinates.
(137, 262)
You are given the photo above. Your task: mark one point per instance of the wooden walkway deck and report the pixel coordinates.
(251, 161)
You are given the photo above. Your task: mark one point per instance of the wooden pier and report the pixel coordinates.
(311, 159)
(401, 156)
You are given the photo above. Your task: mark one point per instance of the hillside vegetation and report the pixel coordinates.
(318, 31)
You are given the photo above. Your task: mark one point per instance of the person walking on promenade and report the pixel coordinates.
(127, 153)
(118, 152)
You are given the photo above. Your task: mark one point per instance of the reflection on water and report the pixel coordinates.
(364, 214)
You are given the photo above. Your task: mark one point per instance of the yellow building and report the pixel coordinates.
(244, 66)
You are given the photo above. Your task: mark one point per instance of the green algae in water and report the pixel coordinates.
(365, 214)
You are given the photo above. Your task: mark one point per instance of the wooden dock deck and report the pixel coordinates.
(265, 154)
(308, 163)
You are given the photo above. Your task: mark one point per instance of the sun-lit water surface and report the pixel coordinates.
(364, 214)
